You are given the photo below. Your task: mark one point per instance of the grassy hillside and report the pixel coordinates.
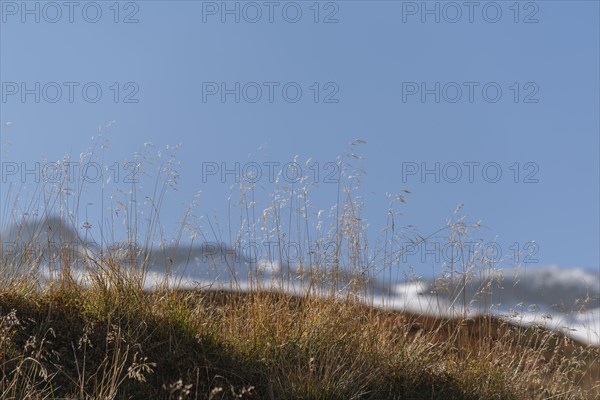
(114, 340)
(108, 338)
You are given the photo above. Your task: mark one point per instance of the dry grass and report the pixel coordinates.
(111, 339)
(85, 343)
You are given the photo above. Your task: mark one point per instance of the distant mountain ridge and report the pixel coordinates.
(560, 298)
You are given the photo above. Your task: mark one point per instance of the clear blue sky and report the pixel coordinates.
(371, 67)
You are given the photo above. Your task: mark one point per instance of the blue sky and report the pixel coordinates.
(371, 62)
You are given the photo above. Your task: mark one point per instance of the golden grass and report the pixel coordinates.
(90, 343)
(110, 339)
